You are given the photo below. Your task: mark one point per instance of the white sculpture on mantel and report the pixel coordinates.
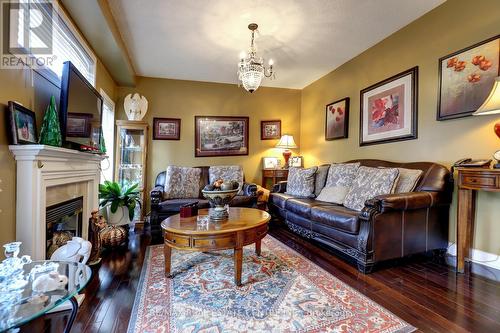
(135, 106)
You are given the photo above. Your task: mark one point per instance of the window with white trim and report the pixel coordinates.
(108, 131)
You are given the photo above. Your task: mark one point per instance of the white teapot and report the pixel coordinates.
(76, 250)
(49, 282)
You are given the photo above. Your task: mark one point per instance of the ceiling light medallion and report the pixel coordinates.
(251, 68)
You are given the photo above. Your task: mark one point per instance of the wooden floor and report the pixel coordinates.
(425, 293)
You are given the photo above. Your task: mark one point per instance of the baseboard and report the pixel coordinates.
(478, 257)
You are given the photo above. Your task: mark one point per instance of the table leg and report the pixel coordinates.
(465, 223)
(258, 247)
(238, 263)
(74, 311)
(167, 253)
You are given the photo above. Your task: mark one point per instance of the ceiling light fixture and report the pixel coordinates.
(250, 68)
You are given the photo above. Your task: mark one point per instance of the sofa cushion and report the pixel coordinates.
(320, 180)
(338, 182)
(227, 173)
(302, 206)
(408, 179)
(279, 199)
(174, 205)
(301, 182)
(337, 217)
(369, 183)
(182, 182)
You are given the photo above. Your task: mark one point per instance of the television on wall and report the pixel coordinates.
(80, 111)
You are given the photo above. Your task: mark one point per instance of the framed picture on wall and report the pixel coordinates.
(166, 129)
(270, 129)
(389, 109)
(22, 124)
(466, 78)
(221, 136)
(337, 119)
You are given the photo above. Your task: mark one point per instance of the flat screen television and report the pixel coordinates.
(80, 111)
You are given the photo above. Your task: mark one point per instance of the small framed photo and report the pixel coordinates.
(166, 129)
(22, 124)
(270, 129)
(270, 162)
(337, 120)
(79, 125)
(296, 161)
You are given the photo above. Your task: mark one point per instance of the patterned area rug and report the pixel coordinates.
(282, 292)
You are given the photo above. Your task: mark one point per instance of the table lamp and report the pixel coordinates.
(286, 142)
(492, 106)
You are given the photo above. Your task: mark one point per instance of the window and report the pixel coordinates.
(108, 130)
(30, 34)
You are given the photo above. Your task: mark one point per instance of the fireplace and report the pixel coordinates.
(64, 221)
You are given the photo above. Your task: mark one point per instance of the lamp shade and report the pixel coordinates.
(286, 142)
(492, 104)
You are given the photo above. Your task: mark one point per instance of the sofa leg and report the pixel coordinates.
(365, 268)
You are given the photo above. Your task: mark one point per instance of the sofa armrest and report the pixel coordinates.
(249, 189)
(280, 187)
(156, 195)
(403, 201)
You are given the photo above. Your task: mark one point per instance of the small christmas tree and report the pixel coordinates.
(51, 129)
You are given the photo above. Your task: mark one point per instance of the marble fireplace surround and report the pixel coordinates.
(47, 175)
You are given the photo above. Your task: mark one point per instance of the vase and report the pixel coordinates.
(120, 217)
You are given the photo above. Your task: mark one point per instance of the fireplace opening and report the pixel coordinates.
(64, 221)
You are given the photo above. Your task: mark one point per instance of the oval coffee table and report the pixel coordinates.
(243, 227)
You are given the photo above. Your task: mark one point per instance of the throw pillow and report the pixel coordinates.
(182, 182)
(340, 178)
(227, 173)
(320, 181)
(408, 179)
(301, 182)
(369, 183)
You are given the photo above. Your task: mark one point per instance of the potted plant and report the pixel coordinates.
(120, 201)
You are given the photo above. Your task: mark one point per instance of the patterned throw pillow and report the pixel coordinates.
(227, 173)
(338, 182)
(369, 183)
(321, 176)
(300, 182)
(182, 182)
(408, 179)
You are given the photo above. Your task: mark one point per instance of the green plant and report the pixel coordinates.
(113, 195)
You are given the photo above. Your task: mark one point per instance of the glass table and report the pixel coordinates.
(17, 307)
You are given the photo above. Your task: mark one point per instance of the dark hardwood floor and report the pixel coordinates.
(425, 293)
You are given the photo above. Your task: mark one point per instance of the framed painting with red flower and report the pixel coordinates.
(466, 78)
(389, 109)
(337, 119)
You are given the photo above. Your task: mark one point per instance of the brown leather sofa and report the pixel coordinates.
(388, 227)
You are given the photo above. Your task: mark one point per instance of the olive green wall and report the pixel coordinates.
(450, 27)
(186, 99)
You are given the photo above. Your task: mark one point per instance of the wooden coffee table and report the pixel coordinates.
(245, 226)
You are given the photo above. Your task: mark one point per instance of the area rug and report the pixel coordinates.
(282, 292)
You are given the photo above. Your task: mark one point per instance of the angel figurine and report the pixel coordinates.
(135, 106)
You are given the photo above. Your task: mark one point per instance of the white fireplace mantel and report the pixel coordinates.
(40, 167)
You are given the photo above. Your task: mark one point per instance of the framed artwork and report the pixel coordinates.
(22, 124)
(166, 129)
(78, 125)
(466, 78)
(296, 161)
(270, 162)
(389, 109)
(337, 119)
(220, 136)
(270, 129)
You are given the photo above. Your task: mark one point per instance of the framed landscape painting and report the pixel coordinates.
(270, 129)
(389, 109)
(221, 136)
(466, 78)
(166, 129)
(337, 119)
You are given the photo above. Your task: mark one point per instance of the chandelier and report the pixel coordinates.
(250, 68)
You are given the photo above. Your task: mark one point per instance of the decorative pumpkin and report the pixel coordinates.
(113, 236)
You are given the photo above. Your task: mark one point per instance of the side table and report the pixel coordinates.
(273, 176)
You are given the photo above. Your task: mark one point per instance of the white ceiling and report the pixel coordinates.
(202, 39)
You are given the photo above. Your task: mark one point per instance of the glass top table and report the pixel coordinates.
(22, 305)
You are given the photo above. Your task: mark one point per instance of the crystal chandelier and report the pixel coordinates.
(250, 68)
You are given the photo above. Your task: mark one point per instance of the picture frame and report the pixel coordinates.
(466, 78)
(166, 129)
(296, 161)
(270, 162)
(78, 125)
(221, 136)
(22, 124)
(389, 110)
(337, 119)
(270, 129)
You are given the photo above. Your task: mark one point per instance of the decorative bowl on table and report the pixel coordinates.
(218, 199)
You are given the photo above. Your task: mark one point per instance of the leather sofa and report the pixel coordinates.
(161, 208)
(388, 227)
